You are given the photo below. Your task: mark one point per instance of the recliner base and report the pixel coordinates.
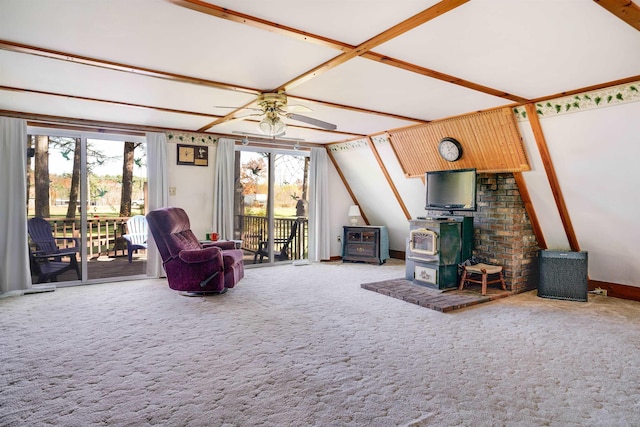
(203, 293)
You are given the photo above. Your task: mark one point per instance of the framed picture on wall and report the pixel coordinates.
(194, 155)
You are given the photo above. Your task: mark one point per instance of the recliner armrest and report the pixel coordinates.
(193, 256)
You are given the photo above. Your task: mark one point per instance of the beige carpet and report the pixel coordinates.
(306, 345)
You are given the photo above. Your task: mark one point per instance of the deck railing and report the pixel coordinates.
(104, 234)
(254, 229)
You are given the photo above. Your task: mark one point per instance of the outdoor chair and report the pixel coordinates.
(281, 247)
(191, 267)
(48, 260)
(136, 236)
(46, 268)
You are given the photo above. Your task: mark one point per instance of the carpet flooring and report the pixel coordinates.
(308, 346)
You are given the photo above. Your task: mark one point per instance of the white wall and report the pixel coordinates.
(340, 202)
(595, 155)
(195, 195)
(193, 189)
(594, 144)
(594, 150)
(377, 201)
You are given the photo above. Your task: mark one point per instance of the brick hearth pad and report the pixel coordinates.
(434, 299)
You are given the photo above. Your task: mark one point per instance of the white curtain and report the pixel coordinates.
(157, 192)
(15, 274)
(223, 189)
(319, 231)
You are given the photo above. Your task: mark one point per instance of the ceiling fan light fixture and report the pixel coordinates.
(272, 126)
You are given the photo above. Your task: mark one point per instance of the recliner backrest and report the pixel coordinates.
(171, 230)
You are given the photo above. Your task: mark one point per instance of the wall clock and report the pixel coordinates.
(450, 149)
(195, 155)
(186, 155)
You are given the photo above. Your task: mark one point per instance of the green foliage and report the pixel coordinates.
(581, 101)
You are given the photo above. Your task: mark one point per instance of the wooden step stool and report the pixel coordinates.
(470, 274)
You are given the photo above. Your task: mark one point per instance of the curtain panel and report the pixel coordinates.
(223, 188)
(15, 274)
(319, 231)
(158, 193)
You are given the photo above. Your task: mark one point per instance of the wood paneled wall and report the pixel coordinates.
(491, 142)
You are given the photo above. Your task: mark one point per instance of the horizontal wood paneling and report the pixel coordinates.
(490, 140)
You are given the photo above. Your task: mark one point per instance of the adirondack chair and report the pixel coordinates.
(46, 268)
(48, 260)
(281, 246)
(136, 236)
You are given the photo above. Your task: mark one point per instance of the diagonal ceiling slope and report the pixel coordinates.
(367, 67)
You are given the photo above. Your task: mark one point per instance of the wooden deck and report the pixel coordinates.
(111, 267)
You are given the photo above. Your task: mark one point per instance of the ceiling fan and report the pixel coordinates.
(273, 106)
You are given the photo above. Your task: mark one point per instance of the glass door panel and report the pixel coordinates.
(290, 220)
(271, 206)
(251, 220)
(115, 193)
(53, 185)
(86, 190)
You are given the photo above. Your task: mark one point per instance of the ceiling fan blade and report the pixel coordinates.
(312, 121)
(259, 135)
(240, 118)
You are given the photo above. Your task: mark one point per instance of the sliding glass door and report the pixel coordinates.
(115, 190)
(85, 190)
(270, 205)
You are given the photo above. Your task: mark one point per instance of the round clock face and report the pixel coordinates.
(186, 154)
(450, 149)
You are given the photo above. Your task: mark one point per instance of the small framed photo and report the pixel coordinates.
(194, 155)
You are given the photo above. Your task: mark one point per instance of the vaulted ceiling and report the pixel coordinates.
(367, 66)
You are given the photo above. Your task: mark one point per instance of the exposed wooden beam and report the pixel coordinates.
(107, 101)
(263, 24)
(116, 66)
(50, 125)
(441, 76)
(541, 142)
(385, 172)
(98, 126)
(326, 104)
(626, 10)
(155, 108)
(346, 184)
(416, 20)
(582, 90)
(359, 110)
(103, 126)
(531, 212)
(225, 118)
(362, 50)
(64, 56)
(401, 28)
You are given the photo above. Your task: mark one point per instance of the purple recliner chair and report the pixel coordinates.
(191, 267)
